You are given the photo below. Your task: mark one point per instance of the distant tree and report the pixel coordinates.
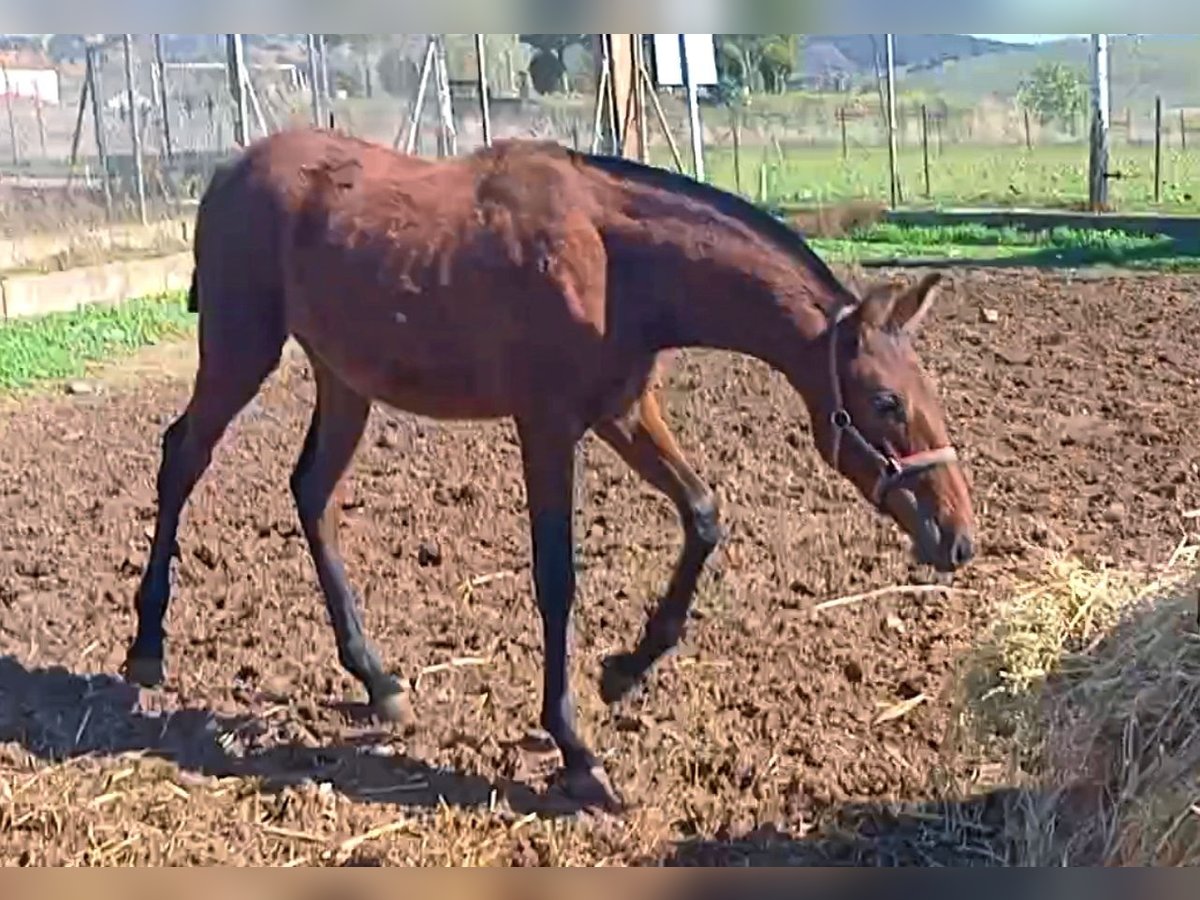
(1054, 92)
(548, 68)
(759, 62)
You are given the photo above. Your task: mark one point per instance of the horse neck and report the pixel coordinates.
(730, 292)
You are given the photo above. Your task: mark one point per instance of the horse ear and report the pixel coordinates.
(878, 303)
(910, 306)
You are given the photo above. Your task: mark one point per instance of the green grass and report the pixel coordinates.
(60, 345)
(1053, 177)
(1053, 248)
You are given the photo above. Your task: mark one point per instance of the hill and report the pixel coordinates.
(1141, 67)
(824, 54)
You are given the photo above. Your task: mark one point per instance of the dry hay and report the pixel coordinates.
(1093, 675)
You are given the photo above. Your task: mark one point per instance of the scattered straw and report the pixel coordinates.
(900, 710)
(289, 834)
(911, 590)
(347, 847)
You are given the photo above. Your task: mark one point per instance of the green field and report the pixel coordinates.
(980, 245)
(61, 345)
(1045, 177)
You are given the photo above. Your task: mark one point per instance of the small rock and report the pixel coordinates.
(429, 555)
(1115, 513)
(989, 316)
(387, 440)
(895, 623)
(853, 672)
(80, 388)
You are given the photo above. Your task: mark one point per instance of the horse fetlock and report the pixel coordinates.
(705, 524)
(144, 671)
(393, 703)
(591, 788)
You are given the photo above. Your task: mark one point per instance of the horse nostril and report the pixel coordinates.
(962, 551)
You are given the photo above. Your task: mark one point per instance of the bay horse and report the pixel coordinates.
(531, 282)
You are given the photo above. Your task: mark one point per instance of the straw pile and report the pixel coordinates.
(1095, 676)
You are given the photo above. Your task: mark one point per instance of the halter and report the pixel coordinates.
(893, 471)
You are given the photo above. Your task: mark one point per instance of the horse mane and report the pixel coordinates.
(729, 204)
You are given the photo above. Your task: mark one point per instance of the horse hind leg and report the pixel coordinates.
(337, 426)
(232, 370)
(647, 446)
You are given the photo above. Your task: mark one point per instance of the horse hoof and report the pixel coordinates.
(591, 789)
(144, 671)
(396, 708)
(618, 678)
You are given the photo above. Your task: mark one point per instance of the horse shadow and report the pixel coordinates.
(57, 715)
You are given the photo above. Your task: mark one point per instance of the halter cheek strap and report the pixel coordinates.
(894, 471)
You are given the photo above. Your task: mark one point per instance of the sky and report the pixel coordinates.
(1024, 38)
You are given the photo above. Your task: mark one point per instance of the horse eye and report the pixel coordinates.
(888, 406)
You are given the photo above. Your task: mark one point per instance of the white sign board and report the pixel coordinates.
(701, 52)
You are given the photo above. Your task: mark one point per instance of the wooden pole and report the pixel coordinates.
(482, 81)
(1182, 131)
(623, 55)
(93, 77)
(77, 135)
(736, 123)
(639, 99)
(893, 162)
(160, 65)
(236, 53)
(841, 114)
(414, 119)
(1158, 142)
(314, 81)
(1028, 133)
(12, 122)
(41, 119)
(661, 116)
(135, 129)
(1098, 164)
(447, 137)
(925, 148)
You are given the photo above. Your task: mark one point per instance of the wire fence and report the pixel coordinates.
(794, 148)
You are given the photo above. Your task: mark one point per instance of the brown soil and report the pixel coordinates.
(757, 742)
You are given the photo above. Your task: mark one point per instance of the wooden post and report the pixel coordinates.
(1098, 165)
(41, 119)
(447, 136)
(1028, 133)
(893, 162)
(414, 119)
(236, 52)
(1158, 141)
(627, 94)
(925, 148)
(77, 135)
(135, 129)
(161, 66)
(12, 122)
(736, 124)
(314, 81)
(1182, 131)
(93, 79)
(484, 103)
(841, 114)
